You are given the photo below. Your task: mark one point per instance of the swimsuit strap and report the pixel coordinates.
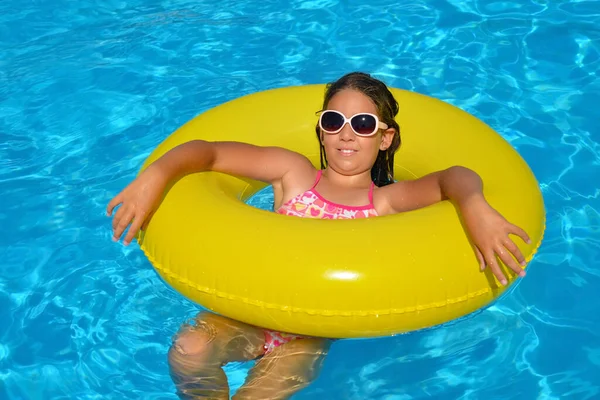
(371, 193)
(319, 174)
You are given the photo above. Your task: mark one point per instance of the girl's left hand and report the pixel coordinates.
(489, 232)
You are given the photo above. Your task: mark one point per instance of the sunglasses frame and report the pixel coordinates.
(378, 124)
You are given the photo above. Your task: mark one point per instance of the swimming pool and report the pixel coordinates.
(88, 88)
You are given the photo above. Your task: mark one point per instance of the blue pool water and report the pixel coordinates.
(89, 88)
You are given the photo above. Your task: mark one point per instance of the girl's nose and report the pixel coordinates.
(347, 133)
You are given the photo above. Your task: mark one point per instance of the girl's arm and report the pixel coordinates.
(266, 164)
(140, 199)
(458, 184)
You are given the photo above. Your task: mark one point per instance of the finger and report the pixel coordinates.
(133, 229)
(493, 264)
(512, 247)
(480, 258)
(520, 232)
(118, 215)
(113, 203)
(509, 261)
(124, 221)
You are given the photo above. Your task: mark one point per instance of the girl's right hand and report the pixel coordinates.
(139, 200)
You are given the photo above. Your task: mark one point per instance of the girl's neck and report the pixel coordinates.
(361, 180)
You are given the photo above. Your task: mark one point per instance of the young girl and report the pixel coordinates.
(358, 137)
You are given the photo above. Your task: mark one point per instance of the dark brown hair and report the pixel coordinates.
(382, 172)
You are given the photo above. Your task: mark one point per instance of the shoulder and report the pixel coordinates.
(297, 165)
(300, 174)
(383, 197)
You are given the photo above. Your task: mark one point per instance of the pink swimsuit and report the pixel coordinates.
(311, 204)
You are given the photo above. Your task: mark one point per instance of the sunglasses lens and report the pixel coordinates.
(331, 121)
(364, 124)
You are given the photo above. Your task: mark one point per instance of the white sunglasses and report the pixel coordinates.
(363, 124)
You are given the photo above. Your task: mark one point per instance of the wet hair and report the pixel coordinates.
(382, 172)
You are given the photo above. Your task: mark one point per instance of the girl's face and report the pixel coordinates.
(347, 153)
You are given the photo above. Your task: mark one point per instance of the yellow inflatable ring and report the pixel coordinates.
(342, 278)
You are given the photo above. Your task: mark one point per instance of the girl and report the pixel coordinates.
(358, 137)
